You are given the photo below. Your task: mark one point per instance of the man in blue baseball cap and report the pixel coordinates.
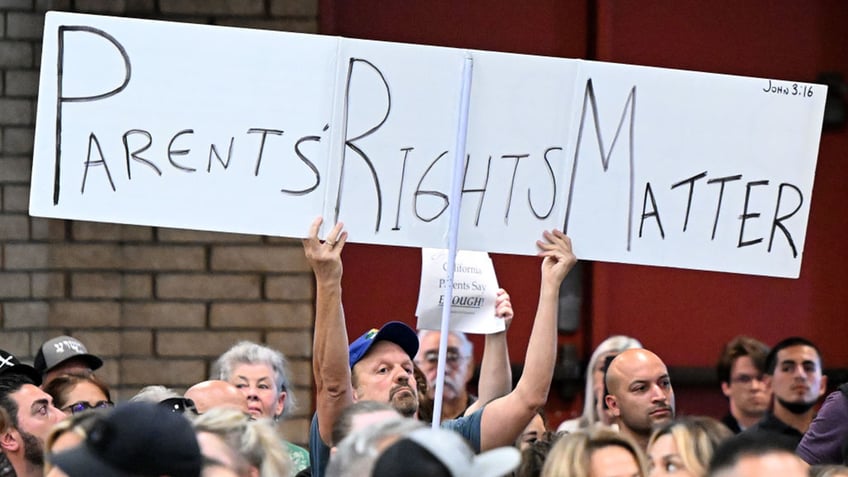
(369, 351)
(379, 365)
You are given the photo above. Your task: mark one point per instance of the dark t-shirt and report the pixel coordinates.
(731, 423)
(773, 429)
(827, 438)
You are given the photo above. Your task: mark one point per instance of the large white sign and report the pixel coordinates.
(250, 131)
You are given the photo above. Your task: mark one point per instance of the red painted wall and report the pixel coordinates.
(539, 27)
(685, 316)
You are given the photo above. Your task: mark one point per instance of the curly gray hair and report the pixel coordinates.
(247, 352)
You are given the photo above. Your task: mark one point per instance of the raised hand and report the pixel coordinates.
(503, 307)
(559, 257)
(325, 256)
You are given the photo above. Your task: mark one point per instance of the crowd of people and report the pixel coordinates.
(375, 397)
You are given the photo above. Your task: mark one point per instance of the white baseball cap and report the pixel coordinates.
(431, 452)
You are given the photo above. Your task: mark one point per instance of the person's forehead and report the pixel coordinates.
(743, 364)
(86, 388)
(612, 456)
(777, 463)
(253, 371)
(641, 366)
(662, 446)
(431, 341)
(386, 351)
(214, 390)
(798, 354)
(28, 394)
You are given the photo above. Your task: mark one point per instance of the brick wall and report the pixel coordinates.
(159, 305)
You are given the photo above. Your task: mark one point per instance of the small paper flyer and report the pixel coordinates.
(475, 288)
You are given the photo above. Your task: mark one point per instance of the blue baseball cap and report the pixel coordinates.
(395, 331)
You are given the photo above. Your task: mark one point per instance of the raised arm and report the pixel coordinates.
(330, 346)
(503, 419)
(495, 370)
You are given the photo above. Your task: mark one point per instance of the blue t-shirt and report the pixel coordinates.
(319, 452)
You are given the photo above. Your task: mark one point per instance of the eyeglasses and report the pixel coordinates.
(179, 405)
(452, 357)
(81, 406)
(746, 379)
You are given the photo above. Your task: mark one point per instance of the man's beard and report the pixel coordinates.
(452, 388)
(33, 449)
(406, 405)
(796, 407)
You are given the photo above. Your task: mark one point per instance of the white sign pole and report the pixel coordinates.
(456, 195)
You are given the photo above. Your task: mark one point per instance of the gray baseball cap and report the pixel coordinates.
(56, 351)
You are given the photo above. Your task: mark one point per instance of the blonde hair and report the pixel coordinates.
(696, 438)
(256, 442)
(572, 453)
(80, 424)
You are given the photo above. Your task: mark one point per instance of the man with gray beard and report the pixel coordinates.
(459, 369)
(495, 372)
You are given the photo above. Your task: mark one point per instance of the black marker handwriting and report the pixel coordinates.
(61, 99)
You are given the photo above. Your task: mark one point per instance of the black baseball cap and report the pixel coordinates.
(135, 439)
(9, 364)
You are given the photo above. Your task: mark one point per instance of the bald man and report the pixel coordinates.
(215, 393)
(640, 394)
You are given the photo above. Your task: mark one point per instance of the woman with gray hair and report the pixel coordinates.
(261, 374)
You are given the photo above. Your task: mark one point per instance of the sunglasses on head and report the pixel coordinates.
(179, 404)
(84, 406)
